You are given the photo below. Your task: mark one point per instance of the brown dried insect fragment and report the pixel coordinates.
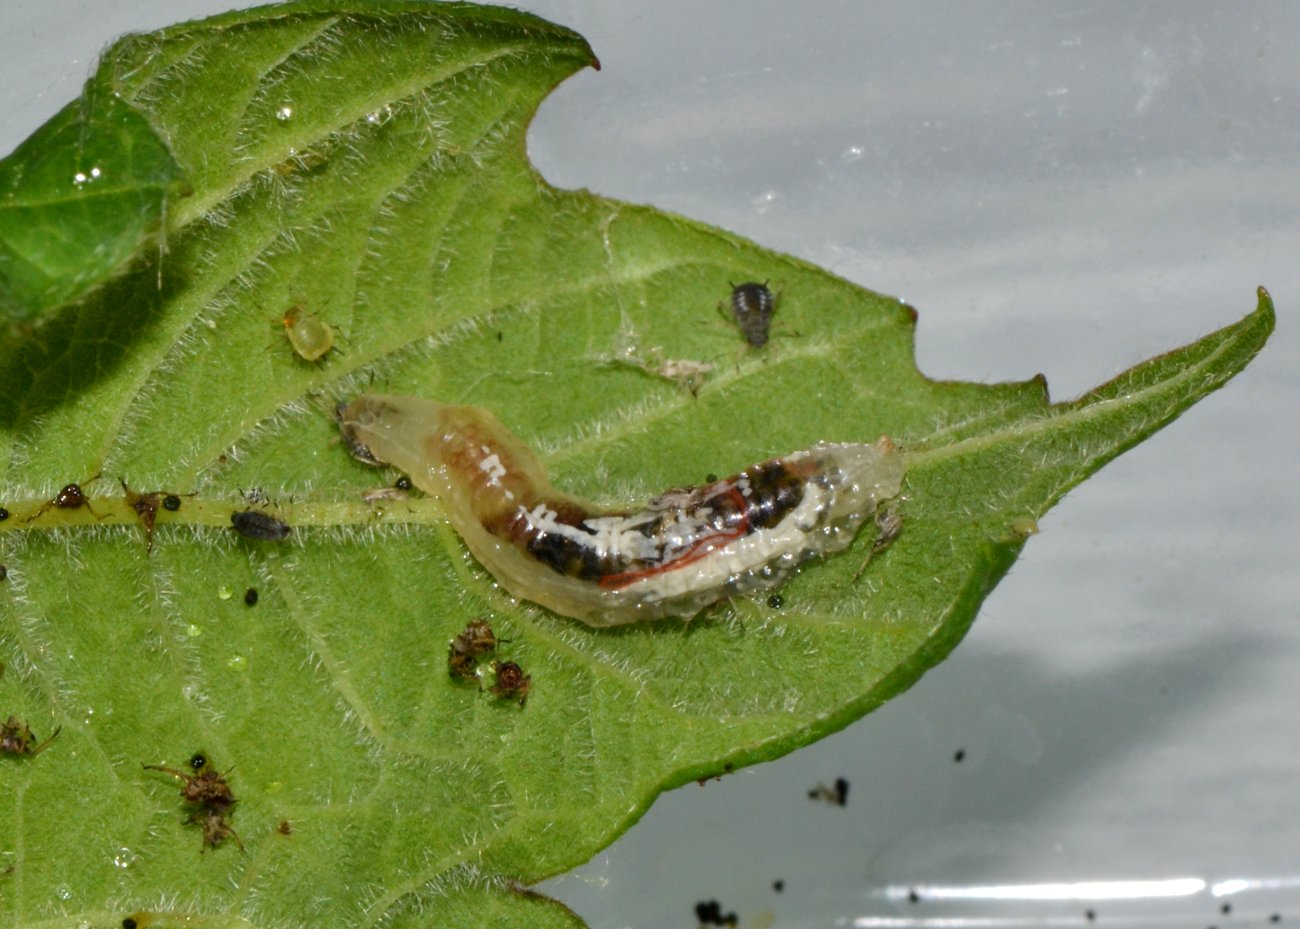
(146, 507)
(71, 497)
(285, 827)
(511, 681)
(215, 829)
(889, 526)
(475, 641)
(16, 738)
(208, 793)
(207, 787)
(356, 448)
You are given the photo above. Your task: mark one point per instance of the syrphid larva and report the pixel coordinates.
(683, 550)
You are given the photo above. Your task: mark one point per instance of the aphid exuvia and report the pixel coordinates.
(464, 651)
(683, 550)
(16, 738)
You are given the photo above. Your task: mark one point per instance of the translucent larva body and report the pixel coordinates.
(310, 337)
(683, 550)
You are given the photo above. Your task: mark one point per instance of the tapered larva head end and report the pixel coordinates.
(345, 412)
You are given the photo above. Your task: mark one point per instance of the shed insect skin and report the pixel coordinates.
(254, 524)
(464, 651)
(209, 793)
(511, 681)
(16, 738)
(71, 497)
(685, 549)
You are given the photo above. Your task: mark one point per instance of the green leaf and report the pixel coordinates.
(364, 164)
(81, 198)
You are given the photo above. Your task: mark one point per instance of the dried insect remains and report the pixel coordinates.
(209, 795)
(16, 738)
(475, 641)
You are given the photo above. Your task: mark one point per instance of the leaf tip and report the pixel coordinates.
(1264, 306)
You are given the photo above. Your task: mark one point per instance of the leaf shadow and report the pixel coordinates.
(53, 364)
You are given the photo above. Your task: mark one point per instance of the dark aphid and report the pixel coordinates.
(4, 576)
(254, 524)
(250, 596)
(776, 601)
(171, 503)
(17, 739)
(752, 306)
(476, 640)
(403, 483)
(4, 514)
(511, 681)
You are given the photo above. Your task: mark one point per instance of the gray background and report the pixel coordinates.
(1064, 188)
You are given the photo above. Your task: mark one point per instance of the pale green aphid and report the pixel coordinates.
(310, 337)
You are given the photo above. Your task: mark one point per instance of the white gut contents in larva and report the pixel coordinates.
(671, 557)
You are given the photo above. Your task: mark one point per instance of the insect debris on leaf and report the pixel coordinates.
(70, 497)
(511, 681)
(17, 738)
(208, 793)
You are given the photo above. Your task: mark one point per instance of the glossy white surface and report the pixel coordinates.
(1060, 187)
